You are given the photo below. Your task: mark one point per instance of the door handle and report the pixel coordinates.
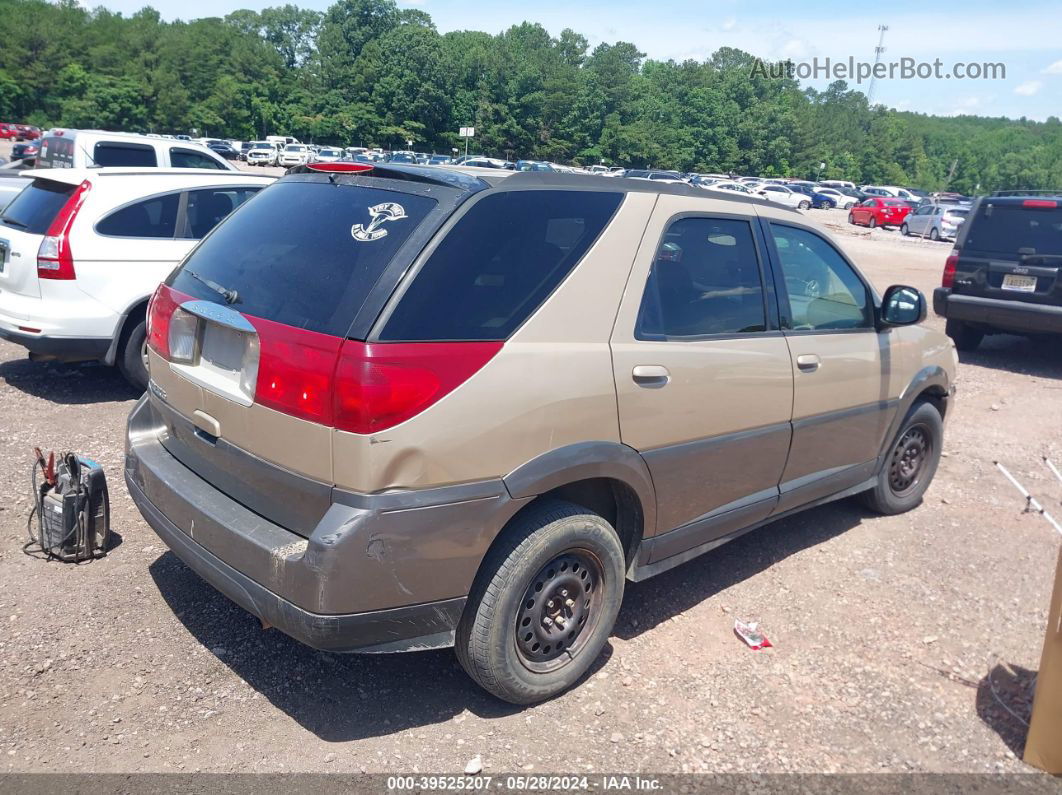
(651, 376)
(808, 362)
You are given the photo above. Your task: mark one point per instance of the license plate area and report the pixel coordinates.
(1019, 283)
(5, 249)
(219, 350)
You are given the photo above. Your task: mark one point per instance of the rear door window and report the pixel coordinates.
(304, 253)
(705, 280)
(154, 217)
(189, 158)
(1015, 230)
(34, 209)
(498, 263)
(56, 153)
(208, 207)
(109, 153)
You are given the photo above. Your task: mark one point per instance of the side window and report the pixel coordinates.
(498, 263)
(154, 217)
(122, 154)
(824, 292)
(207, 208)
(705, 280)
(189, 158)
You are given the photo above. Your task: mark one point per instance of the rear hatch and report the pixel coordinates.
(249, 337)
(34, 214)
(1010, 248)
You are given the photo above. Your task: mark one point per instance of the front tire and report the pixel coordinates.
(910, 464)
(904, 230)
(132, 362)
(851, 219)
(543, 605)
(965, 337)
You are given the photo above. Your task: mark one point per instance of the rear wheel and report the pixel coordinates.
(873, 222)
(543, 605)
(132, 356)
(934, 234)
(851, 219)
(911, 462)
(804, 205)
(965, 337)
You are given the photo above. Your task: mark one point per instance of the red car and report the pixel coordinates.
(879, 212)
(25, 132)
(7, 131)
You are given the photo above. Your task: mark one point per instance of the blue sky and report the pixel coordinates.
(1024, 36)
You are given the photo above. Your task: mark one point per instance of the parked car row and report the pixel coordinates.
(19, 132)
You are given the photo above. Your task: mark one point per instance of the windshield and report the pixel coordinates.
(304, 254)
(293, 148)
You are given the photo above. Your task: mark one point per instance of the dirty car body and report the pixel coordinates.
(350, 410)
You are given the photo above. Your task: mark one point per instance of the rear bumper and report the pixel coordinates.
(1017, 316)
(377, 573)
(72, 348)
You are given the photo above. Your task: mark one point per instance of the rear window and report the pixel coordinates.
(304, 254)
(497, 265)
(189, 158)
(154, 217)
(1013, 229)
(122, 154)
(56, 153)
(34, 209)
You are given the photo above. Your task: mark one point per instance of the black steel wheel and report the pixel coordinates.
(910, 462)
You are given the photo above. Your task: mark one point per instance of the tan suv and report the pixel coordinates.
(400, 407)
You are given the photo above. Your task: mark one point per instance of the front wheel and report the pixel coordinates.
(910, 464)
(903, 230)
(543, 605)
(851, 219)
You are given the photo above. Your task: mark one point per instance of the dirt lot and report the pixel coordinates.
(884, 628)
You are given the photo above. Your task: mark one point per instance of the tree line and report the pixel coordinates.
(367, 73)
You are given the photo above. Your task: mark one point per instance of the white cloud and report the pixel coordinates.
(1054, 69)
(1028, 88)
(730, 22)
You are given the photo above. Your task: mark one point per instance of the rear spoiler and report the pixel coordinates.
(432, 175)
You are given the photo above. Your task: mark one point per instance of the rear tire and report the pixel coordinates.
(543, 604)
(910, 463)
(965, 337)
(131, 362)
(934, 234)
(804, 205)
(873, 222)
(851, 219)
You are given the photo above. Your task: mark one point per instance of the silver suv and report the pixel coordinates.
(398, 407)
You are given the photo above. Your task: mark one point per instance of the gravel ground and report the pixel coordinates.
(884, 629)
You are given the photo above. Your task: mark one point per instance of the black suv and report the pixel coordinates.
(1003, 274)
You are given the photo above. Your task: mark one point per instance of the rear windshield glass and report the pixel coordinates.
(499, 263)
(1012, 229)
(304, 253)
(34, 209)
(56, 153)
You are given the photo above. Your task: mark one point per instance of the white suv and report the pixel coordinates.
(82, 250)
(262, 153)
(296, 155)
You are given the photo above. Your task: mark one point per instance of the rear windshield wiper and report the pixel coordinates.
(13, 222)
(230, 296)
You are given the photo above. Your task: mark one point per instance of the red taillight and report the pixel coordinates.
(948, 279)
(1045, 204)
(295, 370)
(160, 311)
(55, 260)
(379, 385)
(340, 167)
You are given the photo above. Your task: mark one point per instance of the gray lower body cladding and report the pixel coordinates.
(1020, 317)
(376, 573)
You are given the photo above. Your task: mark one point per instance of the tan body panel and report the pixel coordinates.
(550, 386)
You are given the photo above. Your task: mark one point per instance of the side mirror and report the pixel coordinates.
(902, 306)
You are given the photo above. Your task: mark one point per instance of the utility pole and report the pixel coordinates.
(877, 59)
